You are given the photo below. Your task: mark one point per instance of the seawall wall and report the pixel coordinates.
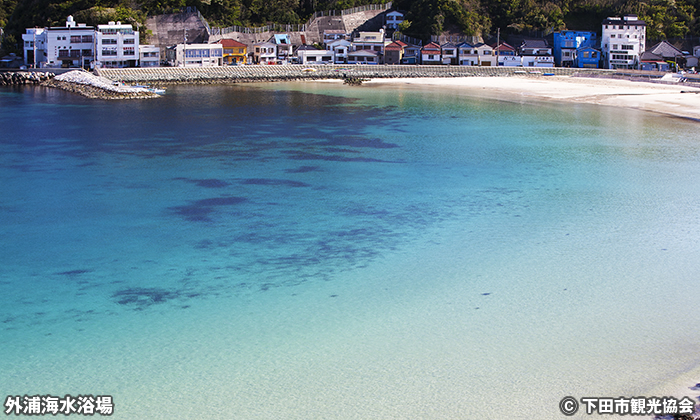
(234, 74)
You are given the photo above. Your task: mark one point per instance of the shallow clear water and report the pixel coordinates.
(312, 250)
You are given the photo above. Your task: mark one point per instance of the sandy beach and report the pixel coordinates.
(673, 100)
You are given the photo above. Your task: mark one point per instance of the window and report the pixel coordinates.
(586, 54)
(128, 41)
(614, 47)
(129, 51)
(108, 41)
(626, 47)
(87, 53)
(109, 52)
(75, 39)
(86, 39)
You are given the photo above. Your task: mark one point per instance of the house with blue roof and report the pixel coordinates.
(467, 55)
(285, 50)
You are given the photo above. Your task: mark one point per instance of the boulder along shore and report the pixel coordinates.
(94, 92)
(8, 78)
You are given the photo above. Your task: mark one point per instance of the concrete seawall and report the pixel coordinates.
(235, 74)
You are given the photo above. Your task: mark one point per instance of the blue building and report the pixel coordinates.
(565, 44)
(587, 57)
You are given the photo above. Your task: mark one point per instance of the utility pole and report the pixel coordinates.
(498, 43)
(34, 45)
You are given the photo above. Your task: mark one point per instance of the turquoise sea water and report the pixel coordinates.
(312, 250)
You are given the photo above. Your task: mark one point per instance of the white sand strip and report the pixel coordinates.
(655, 97)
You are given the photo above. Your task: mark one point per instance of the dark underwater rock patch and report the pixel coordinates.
(206, 183)
(303, 169)
(358, 142)
(72, 273)
(142, 297)
(199, 211)
(274, 182)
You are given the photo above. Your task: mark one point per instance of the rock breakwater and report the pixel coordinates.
(23, 77)
(95, 87)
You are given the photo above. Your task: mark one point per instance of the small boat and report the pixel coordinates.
(159, 91)
(547, 74)
(309, 69)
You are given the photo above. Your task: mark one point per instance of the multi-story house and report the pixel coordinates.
(430, 54)
(507, 56)
(331, 35)
(265, 53)
(393, 20)
(149, 56)
(195, 55)
(467, 55)
(373, 41)
(536, 53)
(235, 52)
(587, 57)
(66, 46)
(487, 56)
(449, 53)
(35, 46)
(565, 44)
(623, 42)
(340, 49)
(117, 45)
(285, 49)
(393, 53)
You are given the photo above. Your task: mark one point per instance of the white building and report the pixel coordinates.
(195, 55)
(265, 53)
(34, 46)
(310, 55)
(394, 19)
(536, 53)
(340, 49)
(373, 41)
(623, 42)
(60, 46)
(149, 56)
(117, 45)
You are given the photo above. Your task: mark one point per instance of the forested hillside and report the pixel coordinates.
(665, 18)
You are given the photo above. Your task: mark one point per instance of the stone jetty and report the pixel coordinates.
(264, 73)
(23, 77)
(96, 87)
